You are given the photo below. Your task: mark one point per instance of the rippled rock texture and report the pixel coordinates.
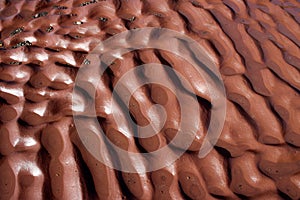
(254, 44)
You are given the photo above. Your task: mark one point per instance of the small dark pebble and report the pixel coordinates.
(86, 62)
(60, 7)
(25, 43)
(87, 3)
(49, 29)
(77, 23)
(42, 14)
(18, 30)
(132, 19)
(15, 63)
(103, 19)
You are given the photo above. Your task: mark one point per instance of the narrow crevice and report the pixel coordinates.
(227, 166)
(125, 191)
(186, 21)
(51, 50)
(248, 119)
(283, 80)
(184, 195)
(284, 196)
(233, 13)
(109, 73)
(85, 175)
(215, 49)
(63, 64)
(43, 161)
(243, 59)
